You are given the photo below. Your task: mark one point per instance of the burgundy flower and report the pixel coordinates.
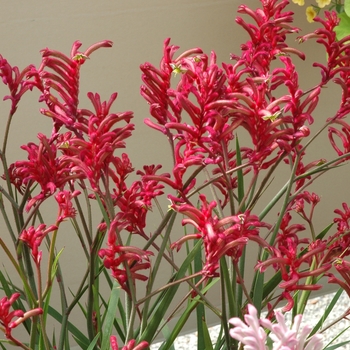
(343, 268)
(157, 89)
(6, 315)
(338, 53)
(342, 135)
(337, 69)
(197, 142)
(135, 201)
(150, 188)
(274, 123)
(299, 203)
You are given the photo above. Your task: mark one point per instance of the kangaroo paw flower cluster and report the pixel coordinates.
(254, 333)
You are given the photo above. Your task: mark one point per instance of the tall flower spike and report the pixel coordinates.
(92, 155)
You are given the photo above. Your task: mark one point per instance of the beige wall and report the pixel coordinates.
(137, 29)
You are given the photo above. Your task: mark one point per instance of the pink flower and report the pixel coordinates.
(249, 333)
(294, 338)
(254, 337)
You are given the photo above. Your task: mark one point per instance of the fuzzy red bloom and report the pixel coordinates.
(33, 238)
(293, 257)
(343, 268)
(58, 80)
(66, 209)
(43, 167)
(221, 237)
(337, 69)
(339, 243)
(15, 80)
(135, 201)
(93, 153)
(6, 316)
(116, 256)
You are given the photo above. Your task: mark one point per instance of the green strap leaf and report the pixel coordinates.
(347, 7)
(111, 313)
(327, 311)
(163, 304)
(79, 337)
(94, 341)
(343, 29)
(208, 344)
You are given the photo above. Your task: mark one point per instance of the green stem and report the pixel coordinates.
(33, 332)
(224, 320)
(216, 178)
(87, 227)
(166, 286)
(264, 181)
(156, 268)
(284, 205)
(6, 219)
(93, 271)
(51, 258)
(64, 323)
(23, 251)
(227, 177)
(29, 292)
(40, 304)
(6, 173)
